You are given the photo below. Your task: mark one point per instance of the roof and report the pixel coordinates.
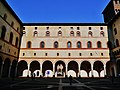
(11, 11)
(64, 24)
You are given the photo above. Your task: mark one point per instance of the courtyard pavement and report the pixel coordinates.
(59, 84)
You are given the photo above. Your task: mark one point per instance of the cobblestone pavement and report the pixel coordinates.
(59, 84)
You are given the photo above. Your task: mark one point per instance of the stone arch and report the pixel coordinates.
(86, 66)
(47, 65)
(6, 67)
(60, 68)
(34, 65)
(98, 66)
(22, 65)
(13, 68)
(73, 65)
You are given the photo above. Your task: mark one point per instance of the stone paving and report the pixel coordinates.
(59, 84)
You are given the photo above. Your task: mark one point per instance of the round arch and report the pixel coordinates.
(47, 65)
(6, 66)
(22, 65)
(98, 66)
(86, 66)
(34, 65)
(13, 68)
(60, 68)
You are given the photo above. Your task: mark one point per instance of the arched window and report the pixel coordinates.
(5, 17)
(69, 44)
(102, 34)
(3, 32)
(47, 33)
(59, 33)
(99, 44)
(35, 34)
(90, 34)
(29, 44)
(115, 31)
(71, 33)
(12, 23)
(11, 37)
(42, 44)
(79, 44)
(78, 33)
(55, 44)
(89, 44)
(117, 42)
(16, 42)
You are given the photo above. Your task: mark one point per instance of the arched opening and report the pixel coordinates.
(79, 44)
(78, 34)
(86, 66)
(3, 32)
(47, 67)
(73, 65)
(90, 34)
(89, 44)
(47, 33)
(60, 68)
(34, 65)
(5, 17)
(29, 44)
(42, 44)
(55, 44)
(13, 68)
(98, 66)
(35, 34)
(72, 33)
(60, 33)
(102, 34)
(69, 45)
(99, 44)
(6, 66)
(117, 42)
(11, 37)
(22, 65)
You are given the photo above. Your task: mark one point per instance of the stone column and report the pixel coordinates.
(104, 70)
(92, 69)
(41, 69)
(9, 69)
(1, 69)
(28, 70)
(53, 70)
(66, 70)
(79, 74)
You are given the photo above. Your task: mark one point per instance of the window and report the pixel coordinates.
(35, 28)
(79, 44)
(78, 33)
(28, 44)
(69, 44)
(23, 54)
(101, 54)
(117, 42)
(102, 34)
(71, 33)
(55, 44)
(91, 54)
(59, 33)
(16, 42)
(35, 34)
(17, 28)
(89, 44)
(47, 28)
(3, 32)
(23, 28)
(5, 17)
(12, 24)
(11, 37)
(34, 54)
(69, 54)
(46, 54)
(47, 33)
(115, 31)
(78, 28)
(98, 44)
(42, 44)
(90, 28)
(101, 28)
(71, 28)
(90, 34)
(80, 54)
(57, 54)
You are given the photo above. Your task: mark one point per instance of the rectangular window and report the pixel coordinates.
(57, 54)
(91, 54)
(80, 54)
(23, 54)
(78, 28)
(101, 54)
(34, 54)
(101, 28)
(23, 28)
(90, 28)
(69, 54)
(46, 54)
(35, 28)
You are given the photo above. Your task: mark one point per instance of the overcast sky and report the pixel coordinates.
(59, 11)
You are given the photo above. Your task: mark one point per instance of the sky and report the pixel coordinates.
(59, 11)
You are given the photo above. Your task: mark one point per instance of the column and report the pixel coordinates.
(92, 69)
(9, 69)
(104, 70)
(41, 69)
(1, 69)
(66, 70)
(79, 74)
(28, 70)
(53, 70)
